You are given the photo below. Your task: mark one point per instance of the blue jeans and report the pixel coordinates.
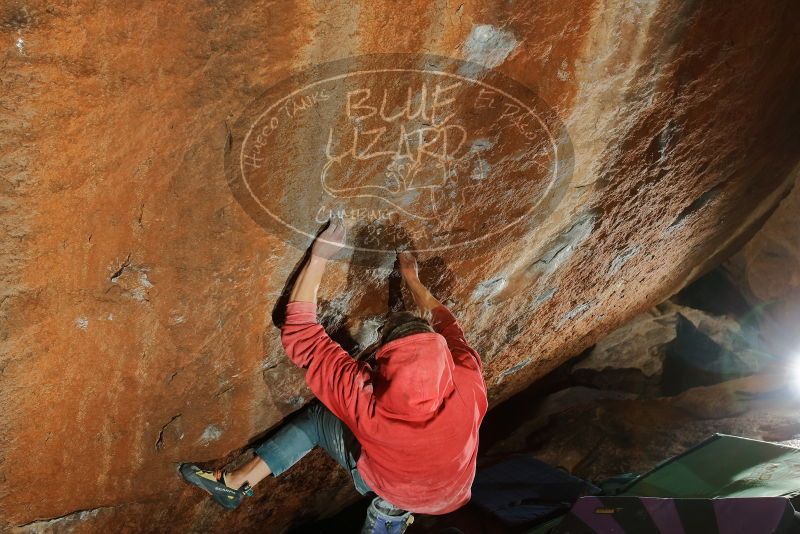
(316, 425)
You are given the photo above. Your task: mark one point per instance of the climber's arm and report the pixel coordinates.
(336, 379)
(423, 298)
(444, 323)
(325, 246)
(308, 281)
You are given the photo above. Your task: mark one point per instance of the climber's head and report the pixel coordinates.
(414, 371)
(403, 323)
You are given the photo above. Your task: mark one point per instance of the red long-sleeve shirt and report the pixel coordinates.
(416, 415)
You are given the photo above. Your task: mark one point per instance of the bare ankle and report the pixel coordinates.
(231, 480)
(252, 473)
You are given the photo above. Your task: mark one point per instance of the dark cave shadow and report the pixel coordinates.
(279, 310)
(334, 326)
(433, 272)
(394, 301)
(365, 260)
(437, 277)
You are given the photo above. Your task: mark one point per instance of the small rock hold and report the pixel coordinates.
(486, 290)
(488, 45)
(210, 434)
(512, 370)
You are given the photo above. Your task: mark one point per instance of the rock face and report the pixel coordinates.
(767, 272)
(669, 349)
(137, 292)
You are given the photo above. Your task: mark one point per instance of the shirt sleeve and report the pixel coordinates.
(341, 383)
(445, 323)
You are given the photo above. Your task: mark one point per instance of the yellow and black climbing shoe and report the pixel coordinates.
(212, 482)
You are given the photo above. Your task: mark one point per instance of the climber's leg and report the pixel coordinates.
(314, 425)
(252, 472)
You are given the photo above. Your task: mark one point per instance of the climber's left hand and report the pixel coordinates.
(330, 241)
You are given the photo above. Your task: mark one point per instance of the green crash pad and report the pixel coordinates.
(724, 466)
(721, 466)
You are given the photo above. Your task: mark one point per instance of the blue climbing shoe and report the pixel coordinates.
(212, 482)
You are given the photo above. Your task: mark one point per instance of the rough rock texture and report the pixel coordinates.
(669, 349)
(136, 294)
(640, 346)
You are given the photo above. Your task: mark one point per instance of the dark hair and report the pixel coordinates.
(403, 323)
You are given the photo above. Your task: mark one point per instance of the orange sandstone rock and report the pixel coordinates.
(137, 294)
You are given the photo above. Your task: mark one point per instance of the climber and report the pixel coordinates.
(405, 428)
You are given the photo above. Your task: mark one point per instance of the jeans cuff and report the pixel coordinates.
(277, 462)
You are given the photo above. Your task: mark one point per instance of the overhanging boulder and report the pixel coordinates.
(137, 293)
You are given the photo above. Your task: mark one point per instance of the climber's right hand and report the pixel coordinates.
(408, 267)
(423, 298)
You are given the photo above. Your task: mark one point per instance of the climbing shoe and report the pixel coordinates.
(212, 482)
